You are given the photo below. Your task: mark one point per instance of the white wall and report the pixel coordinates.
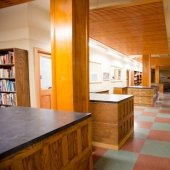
(26, 26)
(99, 55)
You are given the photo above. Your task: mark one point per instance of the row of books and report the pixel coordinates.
(7, 58)
(7, 86)
(7, 73)
(8, 99)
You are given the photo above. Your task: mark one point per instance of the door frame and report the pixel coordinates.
(128, 78)
(37, 53)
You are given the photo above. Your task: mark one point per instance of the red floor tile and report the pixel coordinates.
(145, 125)
(146, 162)
(98, 153)
(162, 120)
(164, 111)
(159, 135)
(165, 105)
(133, 145)
(149, 113)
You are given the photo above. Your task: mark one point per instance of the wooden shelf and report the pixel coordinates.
(7, 78)
(137, 78)
(7, 91)
(6, 65)
(6, 105)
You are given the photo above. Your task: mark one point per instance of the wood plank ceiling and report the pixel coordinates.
(132, 29)
(7, 3)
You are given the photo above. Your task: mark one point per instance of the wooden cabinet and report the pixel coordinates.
(120, 90)
(14, 78)
(143, 95)
(113, 122)
(66, 145)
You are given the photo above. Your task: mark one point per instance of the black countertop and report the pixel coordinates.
(23, 126)
(111, 98)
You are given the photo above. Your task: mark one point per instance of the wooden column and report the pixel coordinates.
(70, 60)
(146, 73)
(157, 74)
(132, 78)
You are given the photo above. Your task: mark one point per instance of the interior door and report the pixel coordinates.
(45, 81)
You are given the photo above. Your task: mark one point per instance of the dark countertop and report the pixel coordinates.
(141, 87)
(23, 126)
(111, 98)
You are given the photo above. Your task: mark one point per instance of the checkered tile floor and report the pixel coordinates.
(149, 148)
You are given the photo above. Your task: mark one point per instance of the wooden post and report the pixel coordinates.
(146, 73)
(157, 74)
(70, 59)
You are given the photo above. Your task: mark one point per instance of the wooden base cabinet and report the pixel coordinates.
(143, 95)
(70, 149)
(113, 123)
(120, 90)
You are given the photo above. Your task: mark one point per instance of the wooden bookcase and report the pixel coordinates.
(14, 78)
(137, 78)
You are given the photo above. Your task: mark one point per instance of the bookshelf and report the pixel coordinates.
(137, 78)
(14, 78)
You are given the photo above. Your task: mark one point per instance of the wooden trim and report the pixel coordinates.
(160, 61)
(107, 146)
(37, 52)
(8, 3)
(128, 4)
(126, 138)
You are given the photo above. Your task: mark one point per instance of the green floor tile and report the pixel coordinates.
(145, 118)
(156, 148)
(138, 112)
(164, 108)
(161, 126)
(164, 115)
(151, 110)
(116, 160)
(141, 133)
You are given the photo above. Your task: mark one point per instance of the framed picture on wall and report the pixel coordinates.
(106, 76)
(95, 72)
(116, 73)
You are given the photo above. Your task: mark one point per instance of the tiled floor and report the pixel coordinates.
(149, 148)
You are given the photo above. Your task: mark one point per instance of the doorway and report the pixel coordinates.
(43, 78)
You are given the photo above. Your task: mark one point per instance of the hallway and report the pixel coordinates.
(149, 148)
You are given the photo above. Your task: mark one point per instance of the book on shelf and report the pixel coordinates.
(7, 99)
(7, 86)
(7, 72)
(7, 58)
